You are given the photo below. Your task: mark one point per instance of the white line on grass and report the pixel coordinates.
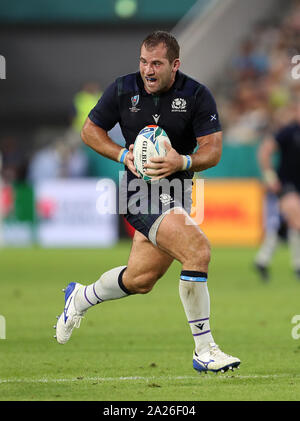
(138, 378)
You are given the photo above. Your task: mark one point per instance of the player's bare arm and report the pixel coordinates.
(209, 152)
(97, 138)
(207, 155)
(265, 153)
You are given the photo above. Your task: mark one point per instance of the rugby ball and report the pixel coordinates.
(149, 143)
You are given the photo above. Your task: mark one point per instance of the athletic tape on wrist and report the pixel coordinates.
(270, 176)
(187, 162)
(122, 154)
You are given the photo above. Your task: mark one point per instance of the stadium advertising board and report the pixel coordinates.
(68, 214)
(232, 211)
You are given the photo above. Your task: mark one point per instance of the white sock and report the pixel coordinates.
(267, 249)
(108, 287)
(195, 298)
(294, 243)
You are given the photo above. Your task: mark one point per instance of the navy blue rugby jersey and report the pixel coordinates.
(288, 140)
(186, 111)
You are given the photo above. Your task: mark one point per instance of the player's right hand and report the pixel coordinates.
(271, 181)
(129, 161)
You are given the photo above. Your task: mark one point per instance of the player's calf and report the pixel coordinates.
(141, 283)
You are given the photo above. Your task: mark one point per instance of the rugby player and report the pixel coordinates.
(284, 180)
(158, 94)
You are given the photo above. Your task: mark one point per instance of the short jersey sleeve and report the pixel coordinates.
(206, 118)
(282, 135)
(106, 114)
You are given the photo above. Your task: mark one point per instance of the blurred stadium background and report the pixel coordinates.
(61, 54)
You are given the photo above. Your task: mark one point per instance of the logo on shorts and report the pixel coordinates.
(134, 102)
(166, 199)
(179, 105)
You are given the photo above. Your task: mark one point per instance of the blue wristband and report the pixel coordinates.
(122, 158)
(189, 162)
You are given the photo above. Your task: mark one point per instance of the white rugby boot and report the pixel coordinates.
(70, 317)
(213, 359)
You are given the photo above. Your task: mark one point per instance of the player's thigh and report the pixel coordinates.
(179, 236)
(290, 208)
(146, 264)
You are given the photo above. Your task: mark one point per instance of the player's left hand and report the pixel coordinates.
(161, 167)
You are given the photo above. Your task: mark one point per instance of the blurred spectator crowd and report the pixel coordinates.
(254, 98)
(259, 90)
(55, 152)
(52, 152)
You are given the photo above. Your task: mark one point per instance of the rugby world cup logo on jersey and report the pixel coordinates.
(179, 105)
(134, 102)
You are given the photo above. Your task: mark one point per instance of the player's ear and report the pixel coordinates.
(176, 64)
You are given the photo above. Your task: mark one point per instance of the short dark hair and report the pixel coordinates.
(158, 37)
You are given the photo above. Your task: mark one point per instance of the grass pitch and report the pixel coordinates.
(140, 348)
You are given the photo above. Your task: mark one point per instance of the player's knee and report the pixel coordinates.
(200, 253)
(294, 223)
(206, 254)
(203, 255)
